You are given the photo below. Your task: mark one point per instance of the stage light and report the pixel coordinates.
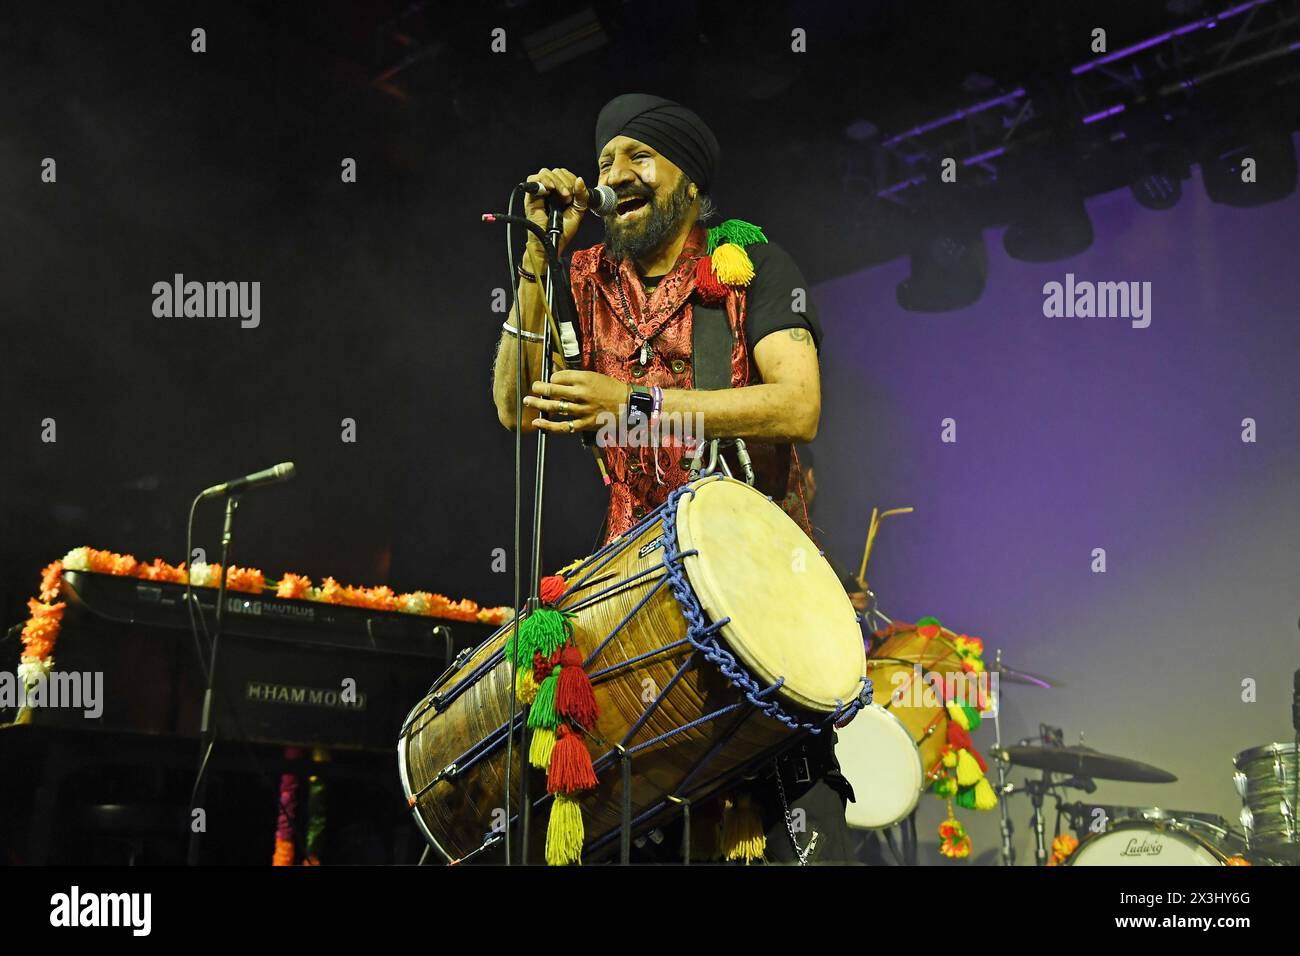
(1225, 170)
(1157, 178)
(1157, 190)
(1053, 224)
(949, 267)
(1046, 218)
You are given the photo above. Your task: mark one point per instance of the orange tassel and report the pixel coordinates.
(552, 588)
(571, 768)
(573, 694)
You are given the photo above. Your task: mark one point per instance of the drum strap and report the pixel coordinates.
(711, 344)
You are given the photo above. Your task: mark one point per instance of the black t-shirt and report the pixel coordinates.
(771, 295)
(772, 299)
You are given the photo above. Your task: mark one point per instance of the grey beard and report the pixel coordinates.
(661, 223)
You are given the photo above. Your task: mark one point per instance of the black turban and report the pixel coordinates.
(669, 128)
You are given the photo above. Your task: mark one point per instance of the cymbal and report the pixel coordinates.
(1082, 761)
(1015, 676)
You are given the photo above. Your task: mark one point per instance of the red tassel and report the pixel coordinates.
(573, 695)
(542, 666)
(571, 768)
(552, 588)
(958, 738)
(979, 759)
(706, 282)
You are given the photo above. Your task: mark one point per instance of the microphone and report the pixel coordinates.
(281, 472)
(602, 199)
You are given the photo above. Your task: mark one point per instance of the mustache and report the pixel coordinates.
(647, 195)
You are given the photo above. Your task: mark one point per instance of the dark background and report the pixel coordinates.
(376, 296)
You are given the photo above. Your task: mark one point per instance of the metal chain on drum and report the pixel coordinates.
(789, 818)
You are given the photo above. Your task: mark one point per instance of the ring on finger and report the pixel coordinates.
(570, 426)
(564, 408)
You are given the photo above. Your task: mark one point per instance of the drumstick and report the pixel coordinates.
(876, 518)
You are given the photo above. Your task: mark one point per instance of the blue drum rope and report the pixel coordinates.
(704, 635)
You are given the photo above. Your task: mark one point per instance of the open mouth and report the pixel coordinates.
(629, 206)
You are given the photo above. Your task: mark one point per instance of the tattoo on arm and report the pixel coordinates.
(801, 335)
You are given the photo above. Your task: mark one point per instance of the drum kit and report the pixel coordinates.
(906, 741)
(714, 638)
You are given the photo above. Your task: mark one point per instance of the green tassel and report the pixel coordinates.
(544, 631)
(928, 622)
(965, 798)
(542, 712)
(973, 715)
(735, 230)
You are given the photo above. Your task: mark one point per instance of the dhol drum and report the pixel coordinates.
(878, 756)
(904, 670)
(713, 634)
(1267, 779)
(1157, 838)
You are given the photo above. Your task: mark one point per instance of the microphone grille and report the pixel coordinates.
(603, 200)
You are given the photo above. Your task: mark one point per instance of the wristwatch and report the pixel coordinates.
(640, 404)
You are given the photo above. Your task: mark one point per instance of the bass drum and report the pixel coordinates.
(1150, 843)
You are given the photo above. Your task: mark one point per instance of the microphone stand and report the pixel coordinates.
(1008, 848)
(553, 233)
(550, 242)
(207, 728)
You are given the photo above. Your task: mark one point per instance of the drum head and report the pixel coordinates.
(790, 617)
(1146, 843)
(879, 758)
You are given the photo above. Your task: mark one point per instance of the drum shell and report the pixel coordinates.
(1266, 778)
(458, 813)
(892, 669)
(1193, 847)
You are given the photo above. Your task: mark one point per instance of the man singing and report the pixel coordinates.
(680, 323)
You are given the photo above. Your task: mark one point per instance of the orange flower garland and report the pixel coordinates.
(41, 630)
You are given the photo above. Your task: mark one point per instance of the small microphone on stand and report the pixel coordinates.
(276, 473)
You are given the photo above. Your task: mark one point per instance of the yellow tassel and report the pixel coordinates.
(968, 771)
(525, 686)
(949, 757)
(732, 265)
(958, 715)
(564, 834)
(985, 798)
(539, 751)
(742, 831)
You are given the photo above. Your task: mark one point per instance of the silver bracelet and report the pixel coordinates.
(520, 333)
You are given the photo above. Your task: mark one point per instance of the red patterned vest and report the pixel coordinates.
(665, 319)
